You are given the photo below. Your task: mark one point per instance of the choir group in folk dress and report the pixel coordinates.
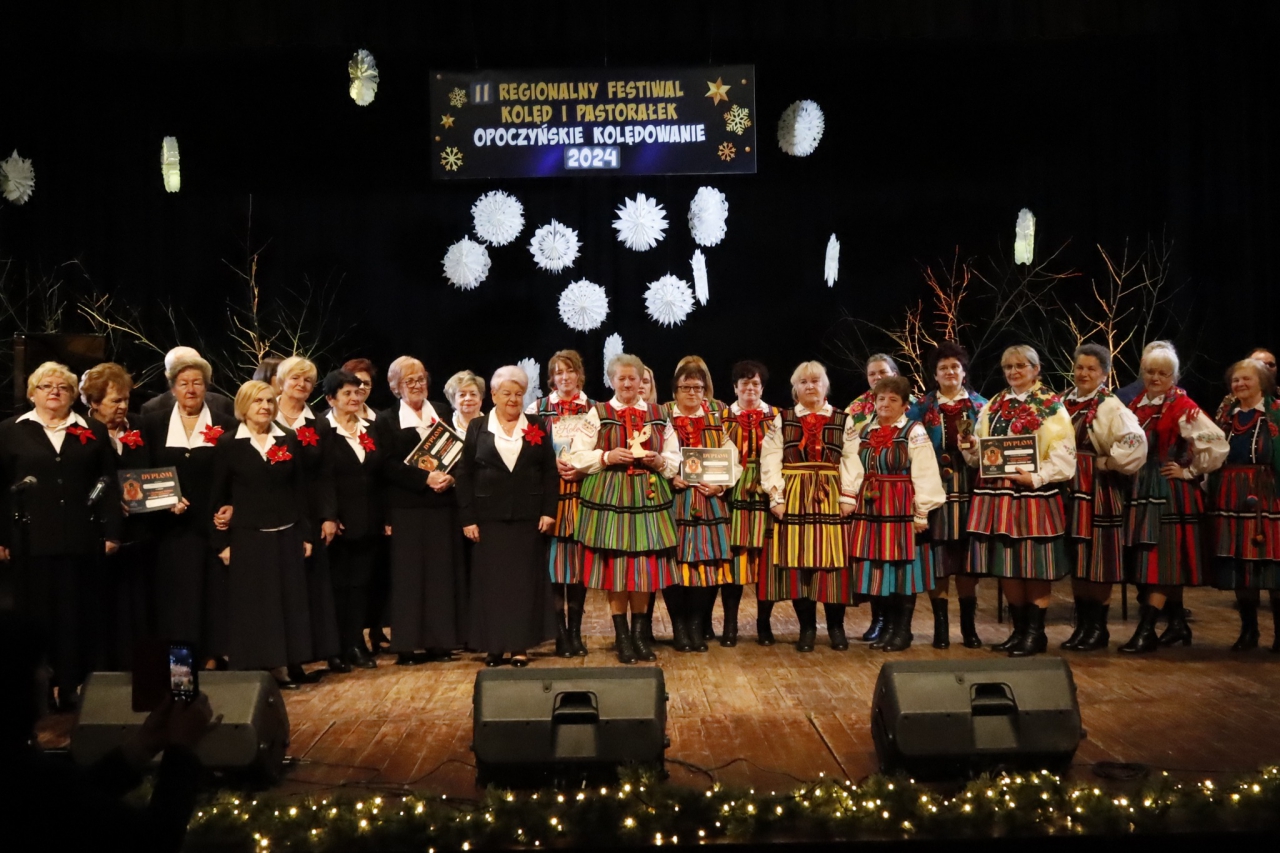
(299, 533)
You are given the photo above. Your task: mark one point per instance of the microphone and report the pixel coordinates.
(99, 488)
(22, 485)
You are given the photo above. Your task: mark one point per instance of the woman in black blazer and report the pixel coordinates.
(54, 458)
(507, 494)
(258, 473)
(190, 587)
(352, 459)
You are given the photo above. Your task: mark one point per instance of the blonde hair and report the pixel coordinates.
(295, 365)
(695, 361)
(652, 396)
(809, 368)
(459, 380)
(52, 368)
(249, 392)
(621, 360)
(1024, 350)
(397, 369)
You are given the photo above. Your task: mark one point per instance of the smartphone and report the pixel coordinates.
(184, 676)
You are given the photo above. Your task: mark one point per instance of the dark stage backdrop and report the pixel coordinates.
(1109, 120)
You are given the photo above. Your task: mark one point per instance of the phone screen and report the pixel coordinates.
(183, 675)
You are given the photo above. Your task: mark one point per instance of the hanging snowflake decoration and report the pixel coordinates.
(533, 390)
(737, 120)
(707, 214)
(457, 97)
(641, 223)
(800, 128)
(498, 217)
(169, 164)
(699, 264)
(364, 77)
(831, 268)
(466, 264)
(668, 300)
(17, 178)
(612, 347)
(583, 306)
(451, 159)
(1024, 237)
(554, 247)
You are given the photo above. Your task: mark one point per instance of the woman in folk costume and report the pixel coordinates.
(1016, 523)
(1110, 448)
(563, 411)
(628, 452)
(746, 423)
(1166, 504)
(701, 512)
(949, 414)
(1244, 505)
(809, 468)
(888, 533)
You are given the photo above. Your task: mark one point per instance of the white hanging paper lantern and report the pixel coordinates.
(831, 266)
(554, 247)
(534, 389)
(466, 264)
(707, 214)
(1024, 237)
(699, 264)
(612, 347)
(363, 71)
(800, 128)
(668, 300)
(17, 178)
(641, 223)
(583, 306)
(169, 164)
(498, 218)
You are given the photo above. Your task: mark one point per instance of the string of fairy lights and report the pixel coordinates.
(642, 810)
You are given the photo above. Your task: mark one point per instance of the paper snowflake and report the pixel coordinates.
(831, 267)
(364, 77)
(466, 264)
(583, 305)
(169, 164)
(641, 223)
(534, 389)
(17, 178)
(668, 300)
(726, 151)
(612, 347)
(1024, 237)
(498, 217)
(737, 120)
(457, 97)
(451, 159)
(554, 247)
(699, 264)
(800, 128)
(707, 214)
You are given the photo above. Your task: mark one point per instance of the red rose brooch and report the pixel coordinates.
(132, 439)
(278, 453)
(307, 436)
(211, 433)
(83, 433)
(366, 441)
(533, 434)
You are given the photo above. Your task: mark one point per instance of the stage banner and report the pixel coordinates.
(604, 121)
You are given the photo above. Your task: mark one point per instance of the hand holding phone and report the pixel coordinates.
(184, 675)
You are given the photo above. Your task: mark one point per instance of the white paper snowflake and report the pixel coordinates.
(554, 247)
(641, 223)
(466, 264)
(1024, 237)
(737, 120)
(612, 347)
(831, 267)
(498, 217)
(583, 305)
(800, 128)
(668, 300)
(534, 389)
(699, 264)
(169, 164)
(17, 178)
(707, 214)
(363, 71)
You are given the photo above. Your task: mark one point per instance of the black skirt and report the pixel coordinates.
(428, 579)
(61, 595)
(510, 588)
(125, 597)
(324, 621)
(270, 619)
(190, 585)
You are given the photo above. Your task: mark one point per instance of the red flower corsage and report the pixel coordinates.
(278, 453)
(932, 418)
(881, 438)
(1275, 430)
(132, 438)
(307, 436)
(366, 441)
(83, 433)
(211, 433)
(533, 434)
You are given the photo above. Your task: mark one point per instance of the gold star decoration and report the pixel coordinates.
(447, 120)
(717, 91)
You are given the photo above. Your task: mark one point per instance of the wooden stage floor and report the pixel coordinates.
(1194, 711)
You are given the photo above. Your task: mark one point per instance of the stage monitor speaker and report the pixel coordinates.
(548, 722)
(942, 719)
(251, 740)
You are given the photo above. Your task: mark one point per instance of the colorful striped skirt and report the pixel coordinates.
(829, 586)
(618, 571)
(951, 558)
(897, 577)
(1163, 529)
(1017, 532)
(752, 523)
(564, 560)
(950, 522)
(1095, 521)
(880, 530)
(625, 512)
(811, 533)
(1246, 527)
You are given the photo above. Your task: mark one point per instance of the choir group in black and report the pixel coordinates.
(300, 538)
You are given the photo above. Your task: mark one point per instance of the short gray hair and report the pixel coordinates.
(509, 373)
(1097, 351)
(887, 359)
(1162, 351)
(624, 359)
(810, 368)
(189, 362)
(460, 380)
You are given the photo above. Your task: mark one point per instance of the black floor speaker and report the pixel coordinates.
(534, 724)
(250, 742)
(946, 719)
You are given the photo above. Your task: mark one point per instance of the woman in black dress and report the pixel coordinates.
(507, 494)
(258, 474)
(51, 459)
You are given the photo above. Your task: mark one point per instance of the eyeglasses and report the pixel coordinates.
(49, 386)
(415, 382)
(1022, 365)
(698, 388)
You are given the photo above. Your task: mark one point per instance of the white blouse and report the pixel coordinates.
(584, 455)
(508, 446)
(1115, 434)
(276, 432)
(1209, 445)
(771, 459)
(421, 422)
(301, 420)
(58, 432)
(353, 439)
(177, 436)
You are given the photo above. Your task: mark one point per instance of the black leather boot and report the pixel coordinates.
(764, 630)
(730, 598)
(1017, 616)
(1084, 611)
(807, 616)
(675, 597)
(576, 596)
(639, 636)
(900, 637)
(1248, 638)
(941, 624)
(968, 623)
(622, 638)
(563, 648)
(359, 658)
(695, 612)
(835, 626)
(653, 599)
(706, 610)
(888, 618)
(1144, 639)
(1177, 631)
(1275, 622)
(875, 630)
(1096, 635)
(1034, 640)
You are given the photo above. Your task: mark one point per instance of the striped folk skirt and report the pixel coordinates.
(1164, 529)
(564, 557)
(750, 530)
(1246, 527)
(1095, 521)
(702, 526)
(1017, 532)
(810, 548)
(887, 556)
(619, 571)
